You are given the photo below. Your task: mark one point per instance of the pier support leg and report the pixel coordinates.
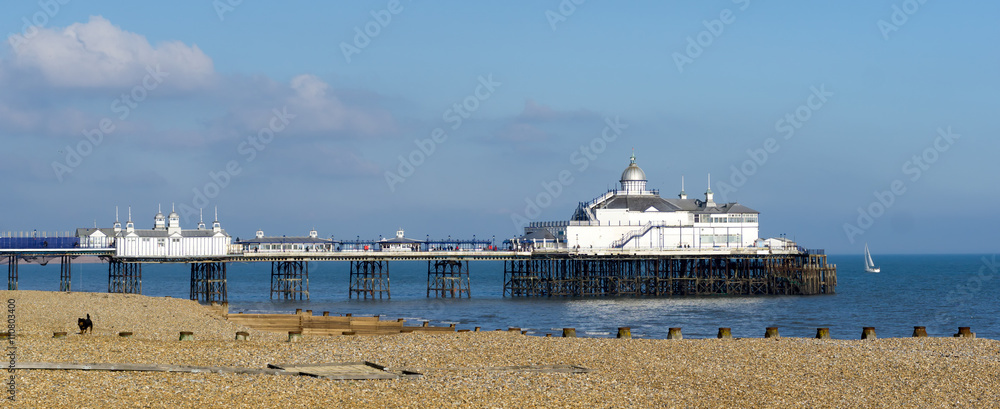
(369, 277)
(124, 277)
(208, 282)
(65, 278)
(448, 278)
(290, 280)
(12, 273)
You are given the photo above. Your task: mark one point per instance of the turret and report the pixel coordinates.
(709, 196)
(159, 222)
(117, 226)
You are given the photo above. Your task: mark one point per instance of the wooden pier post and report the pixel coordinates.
(569, 333)
(290, 280)
(186, 336)
(965, 332)
(771, 332)
(369, 277)
(822, 333)
(624, 333)
(919, 332)
(12, 272)
(868, 333)
(725, 333)
(448, 278)
(65, 273)
(124, 277)
(675, 333)
(208, 282)
(326, 313)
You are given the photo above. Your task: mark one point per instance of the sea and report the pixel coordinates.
(940, 292)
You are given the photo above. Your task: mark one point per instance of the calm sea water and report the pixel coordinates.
(941, 292)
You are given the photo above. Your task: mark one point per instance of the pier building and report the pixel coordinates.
(633, 217)
(167, 239)
(262, 244)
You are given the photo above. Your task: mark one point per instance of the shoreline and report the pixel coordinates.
(461, 368)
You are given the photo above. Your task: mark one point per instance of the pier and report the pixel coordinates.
(529, 273)
(625, 242)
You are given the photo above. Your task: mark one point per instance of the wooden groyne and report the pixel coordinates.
(666, 275)
(326, 325)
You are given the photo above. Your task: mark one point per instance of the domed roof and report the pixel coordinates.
(173, 215)
(633, 172)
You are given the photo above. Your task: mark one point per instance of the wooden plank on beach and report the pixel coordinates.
(146, 368)
(344, 370)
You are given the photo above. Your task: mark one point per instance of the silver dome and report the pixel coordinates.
(633, 172)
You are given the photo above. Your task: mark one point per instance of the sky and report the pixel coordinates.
(842, 123)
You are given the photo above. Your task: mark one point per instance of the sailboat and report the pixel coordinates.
(869, 264)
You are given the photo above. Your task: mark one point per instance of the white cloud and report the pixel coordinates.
(321, 112)
(99, 54)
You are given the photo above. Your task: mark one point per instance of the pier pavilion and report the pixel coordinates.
(633, 217)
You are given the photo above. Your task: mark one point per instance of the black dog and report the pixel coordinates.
(85, 324)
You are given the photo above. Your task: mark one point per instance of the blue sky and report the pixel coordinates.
(841, 96)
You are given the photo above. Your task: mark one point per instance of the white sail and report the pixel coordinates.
(869, 264)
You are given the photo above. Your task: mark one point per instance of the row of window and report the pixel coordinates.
(719, 238)
(725, 218)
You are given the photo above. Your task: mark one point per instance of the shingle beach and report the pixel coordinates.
(468, 369)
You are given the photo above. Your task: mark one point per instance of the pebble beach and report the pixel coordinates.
(471, 369)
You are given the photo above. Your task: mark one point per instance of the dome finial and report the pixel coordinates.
(633, 155)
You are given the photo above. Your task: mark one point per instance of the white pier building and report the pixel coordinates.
(168, 239)
(635, 218)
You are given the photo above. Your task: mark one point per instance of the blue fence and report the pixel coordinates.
(39, 242)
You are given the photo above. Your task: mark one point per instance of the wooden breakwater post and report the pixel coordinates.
(294, 336)
(675, 333)
(822, 333)
(771, 332)
(326, 313)
(624, 333)
(186, 336)
(724, 333)
(868, 333)
(965, 332)
(242, 336)
(569, 332)
(919, 332)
